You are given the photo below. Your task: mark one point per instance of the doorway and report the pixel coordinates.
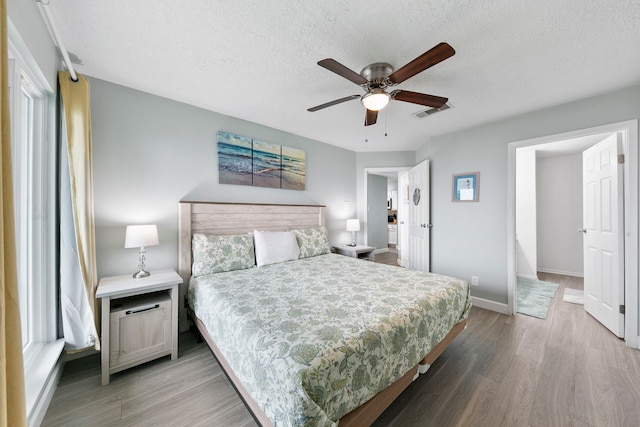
(378, 227)
(629, 132)
(549, 214)
(413, 224)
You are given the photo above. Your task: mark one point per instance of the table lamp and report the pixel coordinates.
(140, 236)
(353, 225)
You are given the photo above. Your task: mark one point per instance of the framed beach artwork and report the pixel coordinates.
(466, 187)
(246, 161)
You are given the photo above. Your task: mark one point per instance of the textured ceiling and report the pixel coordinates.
(256, 60)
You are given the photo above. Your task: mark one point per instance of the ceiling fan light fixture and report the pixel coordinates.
(375, 100)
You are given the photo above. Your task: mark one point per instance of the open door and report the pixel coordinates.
(603, 242)
(419, 227)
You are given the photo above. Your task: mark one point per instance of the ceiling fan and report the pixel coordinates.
(377, 77)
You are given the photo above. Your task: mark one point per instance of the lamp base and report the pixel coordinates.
(353, 239)
(140, 274)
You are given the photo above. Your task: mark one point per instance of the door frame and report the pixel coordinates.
(365, 213)
(630, 177)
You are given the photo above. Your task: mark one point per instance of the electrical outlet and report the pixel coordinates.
(475, 281)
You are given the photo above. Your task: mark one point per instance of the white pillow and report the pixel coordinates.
(275, 246)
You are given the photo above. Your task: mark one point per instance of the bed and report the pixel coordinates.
(317, 339)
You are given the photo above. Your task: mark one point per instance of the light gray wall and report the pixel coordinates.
(377, 230)
(27, 21)
(471, 238)
(150, 152)
(559, 182)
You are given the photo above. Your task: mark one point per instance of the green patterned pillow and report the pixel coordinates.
(312, 241)
(215, 254)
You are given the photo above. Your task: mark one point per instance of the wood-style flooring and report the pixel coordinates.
(390, 257)
(566, 370)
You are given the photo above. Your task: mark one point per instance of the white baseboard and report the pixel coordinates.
(564, 273)
(528, 276)
(381, 250)
(80, 354)
(490, 305)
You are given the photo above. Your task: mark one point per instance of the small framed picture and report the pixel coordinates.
(466, 187)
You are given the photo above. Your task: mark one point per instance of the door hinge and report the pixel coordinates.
(622, 309)
(620, 158)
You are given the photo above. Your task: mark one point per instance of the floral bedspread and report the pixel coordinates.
(314, 338)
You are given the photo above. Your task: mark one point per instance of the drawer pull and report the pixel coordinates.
(141, 309)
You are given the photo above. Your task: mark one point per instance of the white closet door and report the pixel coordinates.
(603, 242)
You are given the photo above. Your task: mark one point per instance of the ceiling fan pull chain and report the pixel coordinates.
(385, 123)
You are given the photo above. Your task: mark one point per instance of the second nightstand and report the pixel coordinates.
(357, 251)
(139, 319)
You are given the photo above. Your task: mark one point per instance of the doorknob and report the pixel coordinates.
(582, 230)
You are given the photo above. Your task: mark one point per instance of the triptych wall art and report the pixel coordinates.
(247, 161)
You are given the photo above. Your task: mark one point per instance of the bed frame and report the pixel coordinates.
(236, 218)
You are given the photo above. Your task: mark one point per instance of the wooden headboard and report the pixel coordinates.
(236, 218)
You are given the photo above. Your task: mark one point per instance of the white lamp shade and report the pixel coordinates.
(353, 225)
(141, 235)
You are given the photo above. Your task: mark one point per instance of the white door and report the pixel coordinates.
(419, 226)
(603, 242)
(403, 221)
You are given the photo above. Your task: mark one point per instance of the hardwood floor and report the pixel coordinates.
(390, 257)
(501, 371)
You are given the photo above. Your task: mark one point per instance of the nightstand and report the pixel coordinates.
(357, 251)
(139, 319)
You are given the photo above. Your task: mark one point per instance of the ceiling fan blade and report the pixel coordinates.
(419, 98)
(370, 118)
(333, 65)
(428, 59)
(329, 104)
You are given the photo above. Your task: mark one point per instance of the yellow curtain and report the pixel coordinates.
(79, 314)
(12, 399)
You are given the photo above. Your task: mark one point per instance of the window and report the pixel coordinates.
(33, 151)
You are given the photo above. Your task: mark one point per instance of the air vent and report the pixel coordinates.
(430, 111)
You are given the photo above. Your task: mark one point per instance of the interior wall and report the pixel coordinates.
(151, 152)
(377, 231)
(27, 21)
(559, 182)
(471, 238)
(526, 236)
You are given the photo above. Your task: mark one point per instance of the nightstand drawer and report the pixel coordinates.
(140, 329)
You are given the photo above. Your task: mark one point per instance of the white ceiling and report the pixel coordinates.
(256, 60)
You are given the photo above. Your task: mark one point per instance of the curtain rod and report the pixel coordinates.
(57, 39)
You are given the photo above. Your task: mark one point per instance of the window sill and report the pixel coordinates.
(38, 374)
